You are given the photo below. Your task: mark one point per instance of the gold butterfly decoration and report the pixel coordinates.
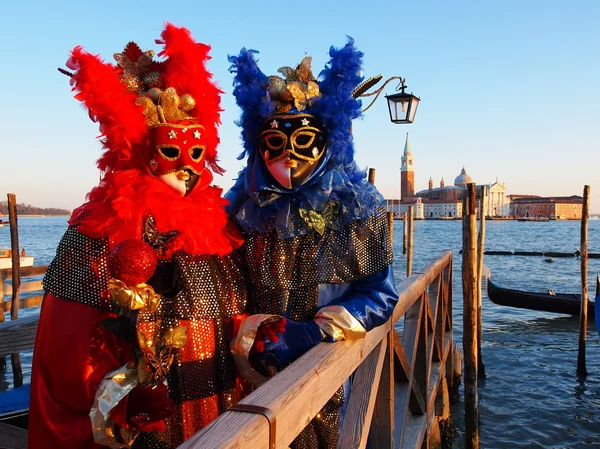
(319, 221)
(156, 239)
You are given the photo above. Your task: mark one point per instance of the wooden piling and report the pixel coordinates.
(469, 281)
(480, 252)
(16, 281)
(581, 365)
(409, 256)
(372, 175)
(404, 233)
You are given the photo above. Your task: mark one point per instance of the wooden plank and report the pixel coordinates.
(12, 437)
(382, 426)
(32, 301)
(26, 271)
(355, 430)
(26, 287)
(295, 396)
(18, 335)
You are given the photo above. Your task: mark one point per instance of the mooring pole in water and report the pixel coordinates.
(409, 256)
(15, 359)
(480, 251)
(469, 282)
(405, 231)
(372, 175)
(585, 213)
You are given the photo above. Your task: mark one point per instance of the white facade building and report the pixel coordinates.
(418, 209)
(438, 209)
(498, 204)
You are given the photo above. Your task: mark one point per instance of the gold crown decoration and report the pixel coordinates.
(298, 89)
(142, 76)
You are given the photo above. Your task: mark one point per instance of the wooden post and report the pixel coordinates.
(480, 250)
(581, 365)
(16, 281)
(469, 281)
(2, 287)
(2, 281)
(372, 175)
(405, 231)
(409, 256)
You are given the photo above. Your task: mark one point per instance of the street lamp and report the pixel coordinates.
(402, 106)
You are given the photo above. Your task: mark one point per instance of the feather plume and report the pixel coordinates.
(337, 107)
(186, 71)
(122, 124)
(251, 91)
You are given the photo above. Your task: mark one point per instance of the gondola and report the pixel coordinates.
(565, 303)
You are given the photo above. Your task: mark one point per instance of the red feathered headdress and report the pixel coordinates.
(144, 108)
(132, 99)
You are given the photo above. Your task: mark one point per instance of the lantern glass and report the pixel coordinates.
(403, 107)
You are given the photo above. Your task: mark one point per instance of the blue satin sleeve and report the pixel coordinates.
(370, 300)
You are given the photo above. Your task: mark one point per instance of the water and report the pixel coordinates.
(531, 397)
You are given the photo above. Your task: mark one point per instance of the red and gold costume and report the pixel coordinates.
(159, 131)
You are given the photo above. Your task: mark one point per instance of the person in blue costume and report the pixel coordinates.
(318, 250)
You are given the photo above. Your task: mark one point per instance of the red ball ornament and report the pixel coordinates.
(132, 261)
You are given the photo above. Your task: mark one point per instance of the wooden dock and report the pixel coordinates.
(400, 378)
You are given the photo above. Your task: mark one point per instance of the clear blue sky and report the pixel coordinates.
(509, 89)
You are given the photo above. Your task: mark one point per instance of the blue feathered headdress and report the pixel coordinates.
(257, 201)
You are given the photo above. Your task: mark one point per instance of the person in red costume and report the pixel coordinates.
(143, 294)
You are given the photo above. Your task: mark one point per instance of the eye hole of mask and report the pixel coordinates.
(196, 153)
(169, 153)
(304, 139)
(273, 145)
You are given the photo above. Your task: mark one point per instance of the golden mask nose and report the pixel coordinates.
(183, 175)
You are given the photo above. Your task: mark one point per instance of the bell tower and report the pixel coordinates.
(407, 173)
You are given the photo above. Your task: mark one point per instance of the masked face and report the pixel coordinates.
(178, 155)
(292, 147)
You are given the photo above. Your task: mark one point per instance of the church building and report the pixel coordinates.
(443, 202)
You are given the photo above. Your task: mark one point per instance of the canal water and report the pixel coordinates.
(531, 396)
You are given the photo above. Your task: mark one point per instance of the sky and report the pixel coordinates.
(509, 89)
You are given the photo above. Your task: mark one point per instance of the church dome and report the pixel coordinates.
(463, 179)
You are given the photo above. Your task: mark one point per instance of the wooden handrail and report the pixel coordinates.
(24, 272)
(297, 394)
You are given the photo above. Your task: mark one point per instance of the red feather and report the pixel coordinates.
(186, 71)
(122, 123)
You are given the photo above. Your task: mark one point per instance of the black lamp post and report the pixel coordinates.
(402, 106)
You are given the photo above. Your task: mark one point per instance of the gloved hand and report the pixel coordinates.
(147, 406)
(268, 332)
(295, 340)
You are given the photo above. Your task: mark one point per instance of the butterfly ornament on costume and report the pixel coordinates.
(156, 239)
(319, 221)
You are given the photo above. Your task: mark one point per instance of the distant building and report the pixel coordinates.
(443, 201)
(553, 207)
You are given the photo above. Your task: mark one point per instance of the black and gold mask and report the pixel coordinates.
(292, 147)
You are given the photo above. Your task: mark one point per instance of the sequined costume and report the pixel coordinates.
(197, 284)
(317, 239)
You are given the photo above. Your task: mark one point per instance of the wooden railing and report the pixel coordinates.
(19, 335)
(400, 381)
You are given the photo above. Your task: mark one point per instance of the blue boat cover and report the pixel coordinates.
(14, 399)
